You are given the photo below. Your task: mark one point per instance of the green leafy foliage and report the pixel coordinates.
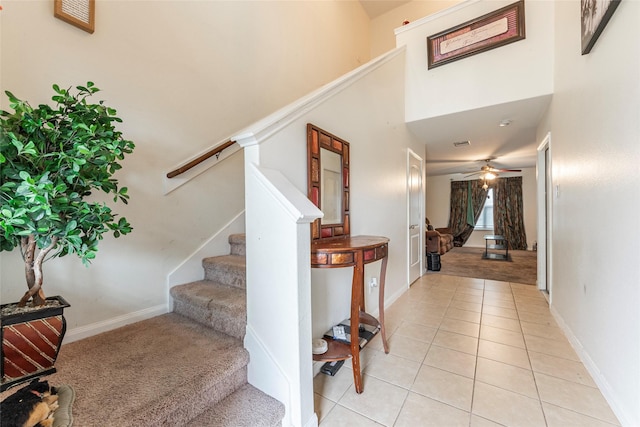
(51, 160)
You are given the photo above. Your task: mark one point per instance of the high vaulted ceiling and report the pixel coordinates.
(375, 8)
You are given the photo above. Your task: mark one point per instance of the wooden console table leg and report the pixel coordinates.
(357, 296)
(383, 274)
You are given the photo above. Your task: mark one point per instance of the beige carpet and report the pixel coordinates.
(468, 262)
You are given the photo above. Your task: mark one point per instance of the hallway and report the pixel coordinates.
(466, 352)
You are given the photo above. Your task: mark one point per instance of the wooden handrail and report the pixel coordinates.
(213, 152)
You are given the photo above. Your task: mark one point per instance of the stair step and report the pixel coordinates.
(238, 244)
(227, 270)
(217, 306)
(163, 371)
(247, 407)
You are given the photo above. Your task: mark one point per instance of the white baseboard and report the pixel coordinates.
(592, 368)
(87, 331)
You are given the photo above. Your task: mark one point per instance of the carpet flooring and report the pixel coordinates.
(468, 262)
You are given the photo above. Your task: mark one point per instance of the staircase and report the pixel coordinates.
(186, 368)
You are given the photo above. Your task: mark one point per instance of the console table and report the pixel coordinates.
(353, 251)
(504, 245)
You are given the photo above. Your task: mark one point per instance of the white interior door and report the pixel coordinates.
(415, 200)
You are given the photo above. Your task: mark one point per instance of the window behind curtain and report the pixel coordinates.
(485, 222)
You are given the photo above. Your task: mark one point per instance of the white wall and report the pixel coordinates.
(369, 115)
(438, 200)
(383, 38)
(183, 75)
(516, 71)
(593, 122)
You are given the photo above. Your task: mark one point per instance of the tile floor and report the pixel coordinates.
(466, 352)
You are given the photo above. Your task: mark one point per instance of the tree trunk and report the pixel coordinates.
(33, 269)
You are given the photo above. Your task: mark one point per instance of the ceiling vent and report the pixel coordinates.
(461, 143)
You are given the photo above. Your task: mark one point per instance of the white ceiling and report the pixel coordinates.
(375, 8)
(510, 147)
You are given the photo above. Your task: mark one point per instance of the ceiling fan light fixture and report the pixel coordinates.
(490, 175)
(485, 186)
(505, 123)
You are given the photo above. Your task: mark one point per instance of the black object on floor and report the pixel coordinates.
(433, 261)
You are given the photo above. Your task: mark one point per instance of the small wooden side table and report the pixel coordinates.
(353, 251)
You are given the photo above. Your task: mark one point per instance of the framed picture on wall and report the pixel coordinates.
(79, 13)
(594, 17)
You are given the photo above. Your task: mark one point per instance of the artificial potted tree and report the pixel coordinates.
(52, 158)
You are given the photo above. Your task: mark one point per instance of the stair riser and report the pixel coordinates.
(238, 245)
(226, 274)
(213, 319)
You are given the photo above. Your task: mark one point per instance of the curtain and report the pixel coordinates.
(467, 200)
(508, 217)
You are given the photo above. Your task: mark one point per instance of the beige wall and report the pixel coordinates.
(383, 36)
(183, 75)
(593, 120)
(438, 199)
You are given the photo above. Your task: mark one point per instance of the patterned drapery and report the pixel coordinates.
(508, 212)
(459, 210)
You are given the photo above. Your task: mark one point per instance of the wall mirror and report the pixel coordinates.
(328, 182)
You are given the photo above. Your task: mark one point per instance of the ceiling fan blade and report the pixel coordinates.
(472, 174)
(508, 170)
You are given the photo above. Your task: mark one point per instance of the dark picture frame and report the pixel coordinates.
(593, 18)
(79, 13)
(495, 29)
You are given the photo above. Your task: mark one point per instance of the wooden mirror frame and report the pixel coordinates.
(318, 139)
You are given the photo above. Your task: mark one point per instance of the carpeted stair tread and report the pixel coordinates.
(228, 270)
(161, 371)
(247, 407)
(220, 307)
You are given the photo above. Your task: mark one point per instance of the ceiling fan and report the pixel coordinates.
(488, 172)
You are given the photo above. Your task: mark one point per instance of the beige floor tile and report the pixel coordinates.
(460, 327)
(422, 411)
(544, 331)
(575, 397)
(551, 347)
(477, 421)
(408, 348)
(468, 316)
(469, 306)
(506, 407)
(504, 353)
(459, 342)
(500, 322)
(334, 387)
(470, 283)
(506, 376)
(380, 401)
(445, 387)
(499, 295)
(424, 318)
(464, 297)
(569, 370)
(560, 417)
(393, 369)
(343, 417)
(500, 303)
(533, 309)
(451, 360)
(416, 331)
(322, 406)
(509, 313)
(502, 336)
(497, 285)
(544, 319)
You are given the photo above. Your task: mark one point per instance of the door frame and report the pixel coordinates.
(544, 215)
(412, 154)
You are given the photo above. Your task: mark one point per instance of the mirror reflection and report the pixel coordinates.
(331, 178)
